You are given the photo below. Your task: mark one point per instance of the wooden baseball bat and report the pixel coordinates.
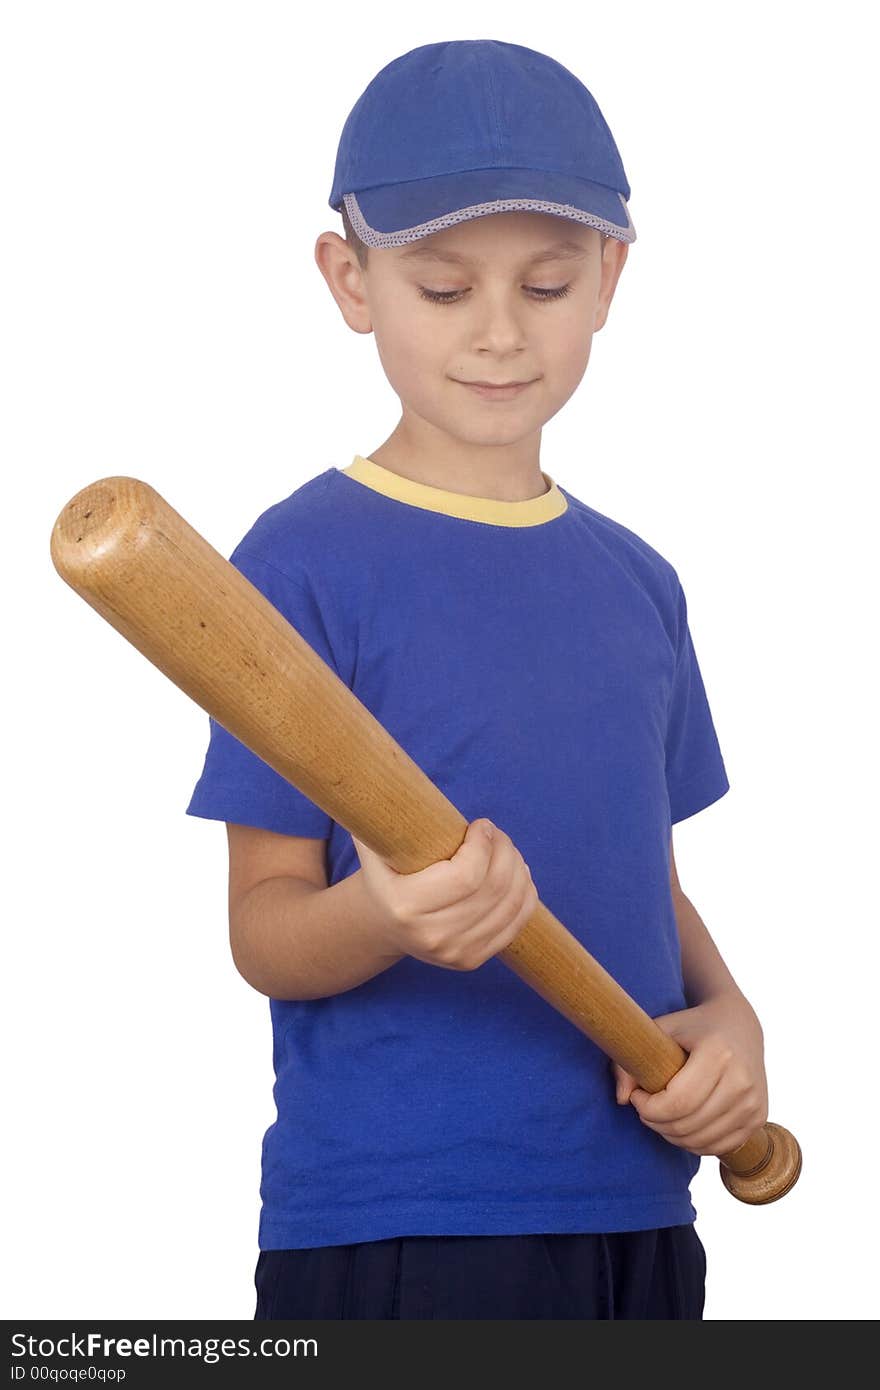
(140, 565)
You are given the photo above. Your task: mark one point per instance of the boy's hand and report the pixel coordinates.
(719, 1097)
(457, 912)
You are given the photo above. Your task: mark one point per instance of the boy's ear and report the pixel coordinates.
(338, 264)
(614, 254)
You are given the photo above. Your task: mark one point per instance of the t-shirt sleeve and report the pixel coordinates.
(235, 784)
(695, 772)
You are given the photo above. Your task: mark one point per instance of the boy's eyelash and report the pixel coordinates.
(450, 296)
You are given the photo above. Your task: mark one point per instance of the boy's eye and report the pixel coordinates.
(450, 296)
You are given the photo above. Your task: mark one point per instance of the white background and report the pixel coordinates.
(166, 169)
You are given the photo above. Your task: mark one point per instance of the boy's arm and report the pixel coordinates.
(292, 936)
(718, 1099)
(705, 974)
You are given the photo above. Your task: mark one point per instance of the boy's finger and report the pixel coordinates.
(624, 1083)
(369, 856)
(684, 1093)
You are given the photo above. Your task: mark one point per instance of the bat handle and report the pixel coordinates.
(549, 959)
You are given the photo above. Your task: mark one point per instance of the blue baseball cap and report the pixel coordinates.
(452, 131)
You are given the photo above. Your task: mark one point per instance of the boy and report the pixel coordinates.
(447, 1146)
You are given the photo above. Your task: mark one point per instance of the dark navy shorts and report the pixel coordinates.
(626, 1274)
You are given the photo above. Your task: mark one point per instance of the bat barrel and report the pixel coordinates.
(139, 564)
(193, 615)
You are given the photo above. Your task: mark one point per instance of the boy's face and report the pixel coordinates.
(501, 311)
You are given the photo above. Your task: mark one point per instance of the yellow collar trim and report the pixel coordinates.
(529, 512)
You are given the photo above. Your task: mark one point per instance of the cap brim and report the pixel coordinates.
(393, 214)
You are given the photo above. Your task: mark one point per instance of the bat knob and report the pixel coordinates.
(774, 1176)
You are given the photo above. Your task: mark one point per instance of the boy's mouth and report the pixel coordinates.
(500, 392)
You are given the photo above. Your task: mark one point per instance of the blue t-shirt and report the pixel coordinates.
(535, 659)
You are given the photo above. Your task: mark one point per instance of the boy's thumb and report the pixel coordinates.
(483, 828)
